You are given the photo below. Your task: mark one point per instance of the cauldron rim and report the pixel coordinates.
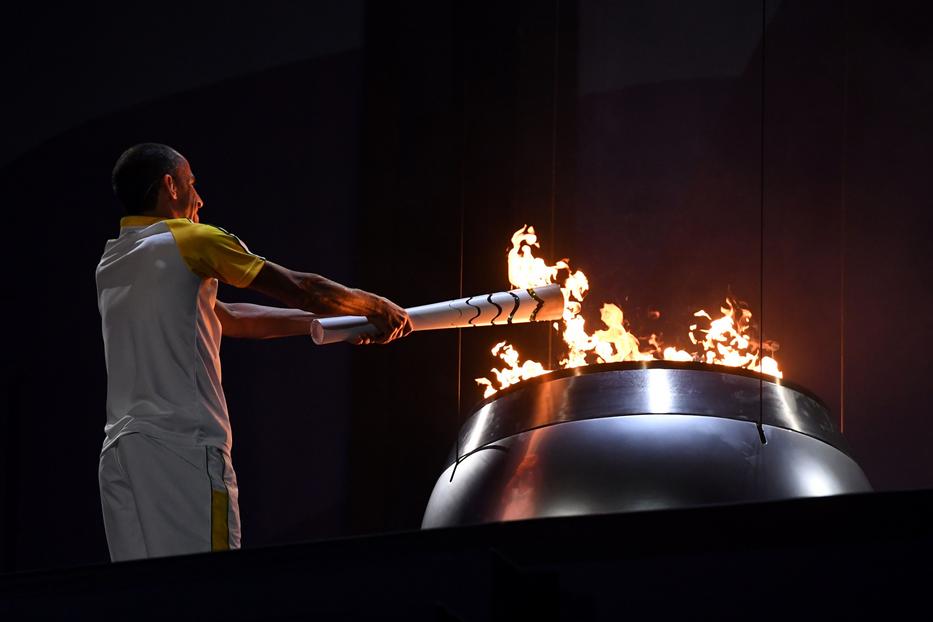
(598, 368)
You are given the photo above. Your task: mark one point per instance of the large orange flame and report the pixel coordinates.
(726, 342)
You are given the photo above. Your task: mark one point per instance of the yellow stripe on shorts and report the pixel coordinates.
(220, 530)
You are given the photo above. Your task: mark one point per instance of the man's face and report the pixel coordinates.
(188, 201)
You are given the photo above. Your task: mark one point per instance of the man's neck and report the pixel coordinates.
(162, 212)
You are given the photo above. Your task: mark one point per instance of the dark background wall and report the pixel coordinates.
(397, 147)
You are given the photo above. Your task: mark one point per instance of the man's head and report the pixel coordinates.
(154, 179)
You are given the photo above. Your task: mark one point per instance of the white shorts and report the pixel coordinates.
(163, 499)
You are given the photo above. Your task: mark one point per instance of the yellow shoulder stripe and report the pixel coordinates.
(211, 252)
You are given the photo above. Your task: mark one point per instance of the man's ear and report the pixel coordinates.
(169, 183)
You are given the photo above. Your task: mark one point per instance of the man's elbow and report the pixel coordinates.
(231, 322)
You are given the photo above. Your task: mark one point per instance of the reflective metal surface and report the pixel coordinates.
(661, 387)
(624, 437)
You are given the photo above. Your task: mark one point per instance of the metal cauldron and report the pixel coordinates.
(625, 437)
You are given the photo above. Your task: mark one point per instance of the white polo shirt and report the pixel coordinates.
(156, 289)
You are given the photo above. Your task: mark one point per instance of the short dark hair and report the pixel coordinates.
(137, 173)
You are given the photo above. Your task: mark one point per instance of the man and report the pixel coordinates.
(167, 484)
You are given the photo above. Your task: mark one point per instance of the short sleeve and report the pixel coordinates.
(211, 252)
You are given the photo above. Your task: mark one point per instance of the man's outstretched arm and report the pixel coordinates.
(318, 295)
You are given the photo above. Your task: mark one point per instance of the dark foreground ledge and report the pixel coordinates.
(857, 555)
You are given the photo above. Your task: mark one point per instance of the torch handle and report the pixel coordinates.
(513, 307)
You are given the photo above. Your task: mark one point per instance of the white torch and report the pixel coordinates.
(518, 306)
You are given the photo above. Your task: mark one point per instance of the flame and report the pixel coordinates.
(513, 372)
(726, 342)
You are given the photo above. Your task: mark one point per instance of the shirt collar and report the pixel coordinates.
(139, 221)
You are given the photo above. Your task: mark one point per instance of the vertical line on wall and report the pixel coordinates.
(553, 195)
(460, 330)
(761, 231)
(461, 74)
(842, 219)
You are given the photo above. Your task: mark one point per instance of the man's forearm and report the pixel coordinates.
(314, 293)
(329, 297)
(251, 321)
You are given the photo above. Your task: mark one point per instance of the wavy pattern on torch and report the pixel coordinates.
(518, 301)
(498, 309)
(531, 292)
(478, 310)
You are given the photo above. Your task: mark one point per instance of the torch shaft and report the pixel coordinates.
(517, 306)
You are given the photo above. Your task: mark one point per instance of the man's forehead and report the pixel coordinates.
(184, 168)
